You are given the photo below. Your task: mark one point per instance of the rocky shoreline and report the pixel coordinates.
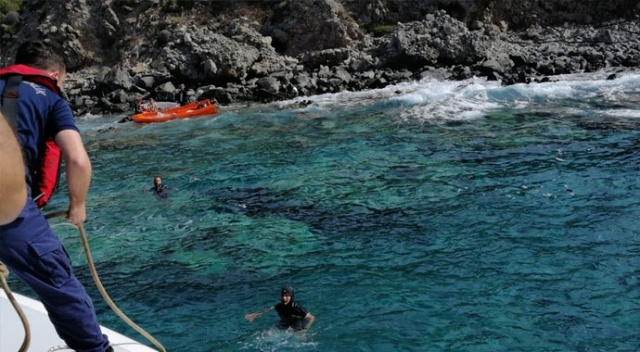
(287, 52)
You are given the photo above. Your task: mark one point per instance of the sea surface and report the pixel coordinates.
(427, 216)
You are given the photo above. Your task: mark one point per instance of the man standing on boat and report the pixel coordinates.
(183, 98)
(28, 246)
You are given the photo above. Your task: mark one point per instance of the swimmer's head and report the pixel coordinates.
(287, 294)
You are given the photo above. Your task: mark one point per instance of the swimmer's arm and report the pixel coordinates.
(309, 318)
(253, 316)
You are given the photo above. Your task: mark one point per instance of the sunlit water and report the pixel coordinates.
(432, 216)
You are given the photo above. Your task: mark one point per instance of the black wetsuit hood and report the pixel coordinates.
(288, 290)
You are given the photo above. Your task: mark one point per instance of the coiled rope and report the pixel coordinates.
(96, 279)
(4, 272)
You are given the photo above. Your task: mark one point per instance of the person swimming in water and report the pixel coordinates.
(292, 315)
(160, 190)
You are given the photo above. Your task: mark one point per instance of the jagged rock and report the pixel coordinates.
(209, 68)
(328, 57)
(147, 82)
(342, 74)
(166, 92)
(329, 26)
(262, 51)
(269, 84)
(118, 96)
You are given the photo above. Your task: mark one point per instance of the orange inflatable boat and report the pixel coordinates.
(200, 108)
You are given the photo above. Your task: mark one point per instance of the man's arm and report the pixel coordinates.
(309, 319)
(78, 167)
(13, 186)
(253, 316)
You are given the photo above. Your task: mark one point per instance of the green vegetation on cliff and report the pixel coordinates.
(9, 17)
(7, 6)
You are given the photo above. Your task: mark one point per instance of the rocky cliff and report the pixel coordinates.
(119, 50)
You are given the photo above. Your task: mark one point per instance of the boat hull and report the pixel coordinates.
(43, 334)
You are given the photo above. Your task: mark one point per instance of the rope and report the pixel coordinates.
(4, 272)
(96, 280)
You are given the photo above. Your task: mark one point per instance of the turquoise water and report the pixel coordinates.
(433, 216)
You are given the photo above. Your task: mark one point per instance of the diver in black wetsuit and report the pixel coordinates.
(292, 315)
(160, 190)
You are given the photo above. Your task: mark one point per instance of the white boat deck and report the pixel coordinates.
(43, 335)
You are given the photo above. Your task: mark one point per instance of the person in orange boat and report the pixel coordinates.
(139, 107)
(152, 107)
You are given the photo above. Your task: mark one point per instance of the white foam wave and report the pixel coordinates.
(473, 98)
(626, 113)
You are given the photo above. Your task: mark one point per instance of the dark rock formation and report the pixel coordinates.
(120, 50)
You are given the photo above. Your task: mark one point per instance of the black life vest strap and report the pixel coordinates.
(9, 100)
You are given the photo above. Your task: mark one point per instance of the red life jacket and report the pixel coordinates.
(45, 172)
